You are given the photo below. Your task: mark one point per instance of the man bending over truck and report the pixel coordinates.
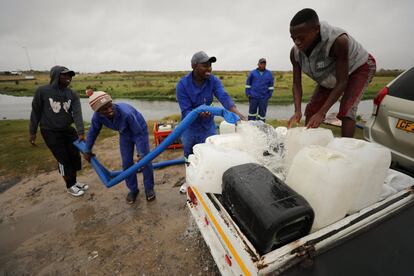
(336, 62)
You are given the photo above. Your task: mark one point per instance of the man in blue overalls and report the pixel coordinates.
(259, 89)
(132, 130)
(197, 88)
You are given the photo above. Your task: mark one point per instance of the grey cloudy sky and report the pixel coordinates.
(92, 36)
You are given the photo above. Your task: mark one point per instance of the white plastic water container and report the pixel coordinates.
(398, 181)
(371, 162)
(394, 182)
(209, 162)
(228, 141)
(317, 173)
(387, 191)
(262, 145)
(281, 133)
(227, 127)
(300, 137)
(165, 127)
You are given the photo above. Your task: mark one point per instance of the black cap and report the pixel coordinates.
(66, 70)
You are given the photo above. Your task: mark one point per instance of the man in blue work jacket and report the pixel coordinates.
(133, 132)
(197, 88)
(259, 89)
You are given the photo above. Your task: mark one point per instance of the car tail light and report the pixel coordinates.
(191, 195)
(378, 99)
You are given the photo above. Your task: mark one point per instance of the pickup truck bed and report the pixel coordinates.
(385, 248)
(375, 241)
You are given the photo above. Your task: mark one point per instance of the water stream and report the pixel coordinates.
(19, 108)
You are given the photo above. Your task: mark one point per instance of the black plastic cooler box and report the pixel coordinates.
(268, 212)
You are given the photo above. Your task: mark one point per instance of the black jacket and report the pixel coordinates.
(55, 109)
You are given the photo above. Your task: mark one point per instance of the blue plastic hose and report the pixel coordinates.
(110, 179)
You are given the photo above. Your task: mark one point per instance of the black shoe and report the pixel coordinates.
(150, 195)
(131, 197)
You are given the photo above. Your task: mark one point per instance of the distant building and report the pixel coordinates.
(11, 73)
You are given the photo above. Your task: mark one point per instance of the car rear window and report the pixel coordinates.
(403, 87)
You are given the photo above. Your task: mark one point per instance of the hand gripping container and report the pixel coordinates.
(268, 212)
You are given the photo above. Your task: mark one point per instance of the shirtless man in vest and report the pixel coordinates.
(336, 62)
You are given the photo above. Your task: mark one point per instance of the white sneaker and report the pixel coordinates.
(183, 188)
(75, 191)
(82, 186)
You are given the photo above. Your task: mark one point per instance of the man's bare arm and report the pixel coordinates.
(296, 90)
(339, 52)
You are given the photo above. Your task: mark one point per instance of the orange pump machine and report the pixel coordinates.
(161, 131)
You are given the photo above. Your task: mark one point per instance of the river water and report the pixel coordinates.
(19, 108)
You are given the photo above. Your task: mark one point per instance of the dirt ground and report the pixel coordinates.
(46, 231)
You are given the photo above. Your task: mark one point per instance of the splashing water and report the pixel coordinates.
(265, 144)
(259, 140)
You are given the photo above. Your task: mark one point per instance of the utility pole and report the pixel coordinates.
(28, 57)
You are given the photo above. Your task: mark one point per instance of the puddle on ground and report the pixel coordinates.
(38, 221)
(86, 219)
(8, 183)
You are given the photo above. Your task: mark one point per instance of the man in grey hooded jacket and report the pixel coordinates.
(55, 107)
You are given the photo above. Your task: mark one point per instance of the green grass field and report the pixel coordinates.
(19, 157)
(161, 85)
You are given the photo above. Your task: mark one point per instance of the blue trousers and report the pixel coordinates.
(257, 109)
(192, 136)
(127, 145)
